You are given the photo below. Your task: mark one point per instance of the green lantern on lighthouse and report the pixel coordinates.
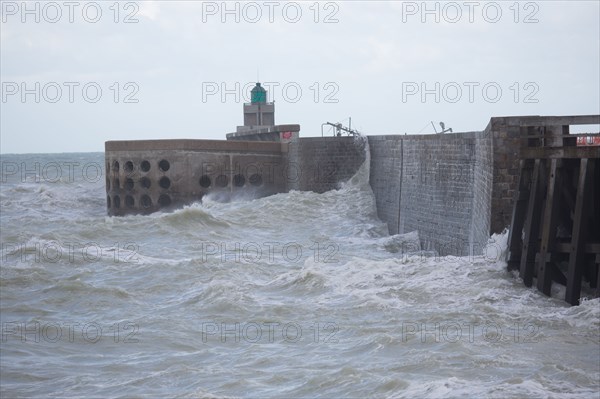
(258, 95)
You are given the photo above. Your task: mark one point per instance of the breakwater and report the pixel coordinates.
(454, 189)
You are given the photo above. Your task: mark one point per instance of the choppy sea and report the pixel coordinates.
(293, 295)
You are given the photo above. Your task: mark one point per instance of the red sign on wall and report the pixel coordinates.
(286, 135)
(589, 140)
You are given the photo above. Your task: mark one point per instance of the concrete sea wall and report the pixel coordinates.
(438, 185)
(319, 164)
(145, 176)
(454, 189)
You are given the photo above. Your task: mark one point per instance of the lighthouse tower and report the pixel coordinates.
(259, 121)
(258, 113)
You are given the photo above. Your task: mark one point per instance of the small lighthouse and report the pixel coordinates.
(258, 113)
(259, 121)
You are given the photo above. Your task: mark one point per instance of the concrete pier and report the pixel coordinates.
(454, 189)
(149, 175)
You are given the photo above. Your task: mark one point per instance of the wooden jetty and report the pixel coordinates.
(555, 226)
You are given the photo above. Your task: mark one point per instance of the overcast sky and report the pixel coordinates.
(76, 74)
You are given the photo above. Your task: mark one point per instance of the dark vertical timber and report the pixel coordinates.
(556, 215)
(518, 216)
(531, 227)
(598, 275)
(577, 256)
(550, 219)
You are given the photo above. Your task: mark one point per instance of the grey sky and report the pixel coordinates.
(333, 60)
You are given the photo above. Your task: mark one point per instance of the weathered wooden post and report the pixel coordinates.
(555, 225)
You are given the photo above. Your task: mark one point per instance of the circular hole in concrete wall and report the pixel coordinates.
(146, 201)
(205, 181)
(129, 184)
(164, 182)
(239, 180)
(222, 181)
(129, 202)
(145, 166)
(116, 166)
(255, 179)
(164, 165)
(117, 201)
(116, 184)
(128, 167)
(145, 182)
(107, 184)
(164, 200)
(108, 201)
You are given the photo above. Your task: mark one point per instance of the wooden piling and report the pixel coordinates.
(555, 224)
